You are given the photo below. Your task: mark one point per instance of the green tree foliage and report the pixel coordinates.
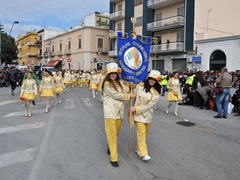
(9, 49)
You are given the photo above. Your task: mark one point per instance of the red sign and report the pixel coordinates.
(69, 60)
(61, 59)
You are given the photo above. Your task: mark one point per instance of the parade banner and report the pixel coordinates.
(133, 55)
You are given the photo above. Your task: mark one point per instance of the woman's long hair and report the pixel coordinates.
(112, 83)
(156, 86)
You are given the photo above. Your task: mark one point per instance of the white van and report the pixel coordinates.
(44, 68)
(22, 68)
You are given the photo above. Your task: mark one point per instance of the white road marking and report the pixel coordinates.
(22, 127)
(21, 113)
(17, 157)
(86, 101)
(69, 103)
(7, 102)
(38, 102)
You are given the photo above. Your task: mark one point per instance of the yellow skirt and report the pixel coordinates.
(66, 81)
(173, 97)
(29, 96)
(47, 93)
(59, 89)
(94, 86)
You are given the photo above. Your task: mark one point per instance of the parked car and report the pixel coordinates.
(22, 68)
(44, 68)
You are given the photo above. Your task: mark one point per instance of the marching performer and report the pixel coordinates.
(87, 78)
(174, 93)
(67, 80)
(114, 95)
(28, 93)
(80, 78)
(47, 89)
(73, 79)
(94, 83)
(58, 82)
(84, 79)
(147, 94)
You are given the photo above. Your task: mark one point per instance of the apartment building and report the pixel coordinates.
(176, 24)
(27, 49)
(82, 47)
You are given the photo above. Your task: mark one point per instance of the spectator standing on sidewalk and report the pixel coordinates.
(224, 80)
(164, 82)
(12, 77)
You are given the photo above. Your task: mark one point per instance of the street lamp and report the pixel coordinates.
(15, 22)
(1, 28)
(208, 17)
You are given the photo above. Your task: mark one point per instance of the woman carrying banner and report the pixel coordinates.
(114, 95)
(174, 93)
(28, 93)
(147, 94)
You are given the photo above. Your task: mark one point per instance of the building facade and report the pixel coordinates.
(27, 49)
(83, 47)
(176, 24)
(219, 52)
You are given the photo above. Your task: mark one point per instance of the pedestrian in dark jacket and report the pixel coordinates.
(12, 76)
(204, 93)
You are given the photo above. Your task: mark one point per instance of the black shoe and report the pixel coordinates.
(33, 103)
(217, 116)
(201, 108)
(114, 164)
(12, 93)
(225, 117)
(108, 151)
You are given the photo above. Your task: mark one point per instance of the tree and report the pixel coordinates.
(9, 49)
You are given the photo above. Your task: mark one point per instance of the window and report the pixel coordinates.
(119, 26)
(180, 11)
(69, 44)
(48, 48)
(52, 47)
(137, 2)
(60, 46)
(120, 7)
(180, 37)
(158, 16)
(139, 21)
(79, 43)
(100, 43)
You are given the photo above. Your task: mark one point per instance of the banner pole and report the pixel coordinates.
(130, 126)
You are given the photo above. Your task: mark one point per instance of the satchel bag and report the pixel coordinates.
(219, 90)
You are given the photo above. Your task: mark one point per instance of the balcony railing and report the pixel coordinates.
(38, 42)
(52, 54)
(113, 53)
(102, 50)
(40, 56)
(115, 1)
(117, 15)
(168, 47)
(31, 55)
(46, 54)
(59, 53)
(114, 34)
(30, 44)
(156, 4)
(67, 51)
(103, 22)
(173, 22)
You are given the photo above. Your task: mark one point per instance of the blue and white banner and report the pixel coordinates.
(133, 55)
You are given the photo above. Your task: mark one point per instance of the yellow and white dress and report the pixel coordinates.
(174, 93)
(94, 81)
(101, 77)
(80, 80)
(47, 87)
(83, 79)
(87, 79)
(67, 78)
(73, 79)
(29, 89)
(58, 82)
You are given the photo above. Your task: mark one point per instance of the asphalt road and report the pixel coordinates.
(69, 143)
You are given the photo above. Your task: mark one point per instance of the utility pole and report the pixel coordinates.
(1, 27)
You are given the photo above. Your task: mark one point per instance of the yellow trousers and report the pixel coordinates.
(112, 128)
(142, 131)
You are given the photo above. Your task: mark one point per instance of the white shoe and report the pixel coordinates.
(138, 153)
(176, 114)
(146, 158)
(59, 101)
(94, 97)
(167, 111)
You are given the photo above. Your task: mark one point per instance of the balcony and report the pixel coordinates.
(117, 15)
(38, 43)
(103, 22)
(19, 47)
(114, 34)
(115, 1)
(168, 23)
(52, 54)
(156, 4)
(30, 44)
(59, 53)
(102, 50)
(173, 47)
(67, 51)
(40, 56)
(113, 53)
(31, 54)
(46, 54)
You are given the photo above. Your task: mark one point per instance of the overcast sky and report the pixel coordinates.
(35, 14)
